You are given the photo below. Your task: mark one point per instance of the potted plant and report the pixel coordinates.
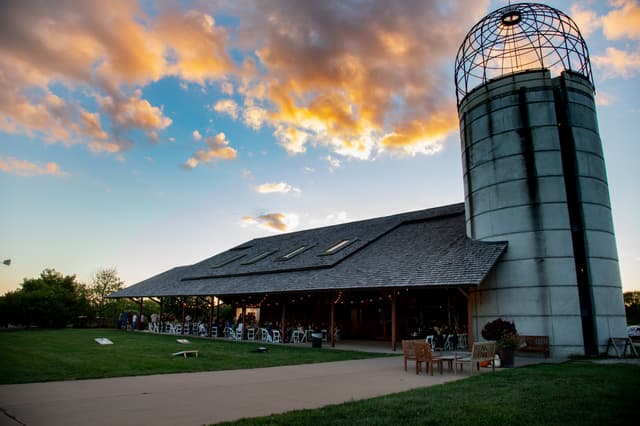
(505, 335)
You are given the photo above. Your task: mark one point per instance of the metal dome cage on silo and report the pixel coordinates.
(520, 37)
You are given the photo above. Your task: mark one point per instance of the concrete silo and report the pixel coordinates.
(535, 176)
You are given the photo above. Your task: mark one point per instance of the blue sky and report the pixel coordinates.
(143, 136)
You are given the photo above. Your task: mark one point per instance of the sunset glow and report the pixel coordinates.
(144, 135)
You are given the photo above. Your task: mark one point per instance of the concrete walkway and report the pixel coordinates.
(210, 397)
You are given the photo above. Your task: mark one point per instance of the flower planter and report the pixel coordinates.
(506, 357)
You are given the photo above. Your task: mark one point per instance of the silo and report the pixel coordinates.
(534, 176)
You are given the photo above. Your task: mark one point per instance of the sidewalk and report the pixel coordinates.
(204, 398)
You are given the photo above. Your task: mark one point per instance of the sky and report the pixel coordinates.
(147, 135)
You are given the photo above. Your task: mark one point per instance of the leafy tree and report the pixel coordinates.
(52, 300)
(632, 306)
(103, 283)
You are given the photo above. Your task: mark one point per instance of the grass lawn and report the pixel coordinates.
(574, 393)
(45, 355)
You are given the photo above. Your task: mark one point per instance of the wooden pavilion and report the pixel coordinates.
(383, 278)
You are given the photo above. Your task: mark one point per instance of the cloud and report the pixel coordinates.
(101, 51)
(217, 149)
(226, 87)
(228, 107)
(623, 22)
(616, 62)
(196, 135)
(604, 98)
(345, 75)
(350, 76)
(334, 163)
(110, 146)
(276, 187)
(254, 117)
(587, 20)
(279, 222)
(25, 168)
(135, 113)
(197, 47)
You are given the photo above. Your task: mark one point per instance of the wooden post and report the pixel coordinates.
(282, 327)
(394, 326)
(160, 323)
(449, 323)
(140, 313)
(332, 325)
(210, 316)
(469, 297)
(244, 319)
(184, 304)
(470, 319)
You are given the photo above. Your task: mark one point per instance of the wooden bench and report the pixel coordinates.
(186, 353)
(480, 353)
(534, 344)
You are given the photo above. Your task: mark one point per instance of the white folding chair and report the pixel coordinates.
(448, 343)
(251, 333)
(238, 334)
(276, 336)
(431, 342)
(463, 342)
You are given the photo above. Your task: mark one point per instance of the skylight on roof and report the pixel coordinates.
(259, 257)
(338, 246)
(227, 261)
(295, 252)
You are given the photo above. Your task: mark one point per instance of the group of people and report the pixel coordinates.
(129, 321)
(132, 321)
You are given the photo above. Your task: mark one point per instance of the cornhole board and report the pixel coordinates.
(186, 353)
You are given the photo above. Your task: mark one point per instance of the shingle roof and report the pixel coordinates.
(417, 249)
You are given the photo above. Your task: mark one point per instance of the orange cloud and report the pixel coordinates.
(134, 112)
(197, 48)
(217, 149)
(420, 136)
(26, 168)
(623, 22)
(104, 50)
(279, 222)
(228, 107)
(276, 187)
(618, 62)
(352, 79)
(587, 20)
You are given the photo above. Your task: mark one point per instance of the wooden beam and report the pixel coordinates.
(282, 326)
(470, 319)
(332, 325)
(393, 322)
(184, 304)
(210, 317)
(140, 313)
(449, 309)
(160, 323)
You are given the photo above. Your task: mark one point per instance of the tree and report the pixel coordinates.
(103, 283)
(632, 306)
(52, 300)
